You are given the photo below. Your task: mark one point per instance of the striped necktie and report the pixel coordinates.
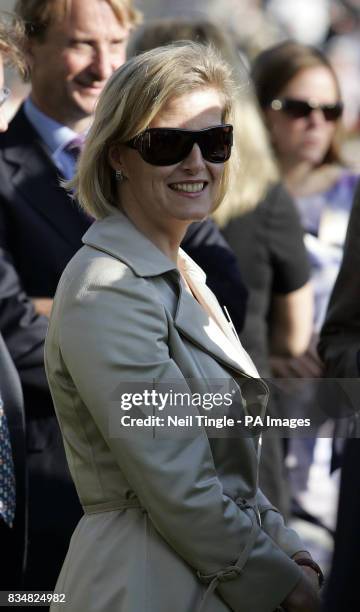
(74, 148)
(7, 475)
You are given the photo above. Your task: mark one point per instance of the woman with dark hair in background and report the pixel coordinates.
(299, 95)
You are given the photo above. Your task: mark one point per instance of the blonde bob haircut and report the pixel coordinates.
(133, 96)
(258, 169)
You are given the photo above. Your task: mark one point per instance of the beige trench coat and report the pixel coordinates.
(174, 522)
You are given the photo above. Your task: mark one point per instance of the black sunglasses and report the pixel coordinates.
(297, 109)
(167, 146)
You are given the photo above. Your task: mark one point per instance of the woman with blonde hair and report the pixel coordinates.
(174, 519)
(259, 221)
(203, 241)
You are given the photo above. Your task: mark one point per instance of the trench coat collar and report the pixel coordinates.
(117, 236)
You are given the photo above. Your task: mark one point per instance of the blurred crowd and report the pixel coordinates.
(332, 25)
(278, 237)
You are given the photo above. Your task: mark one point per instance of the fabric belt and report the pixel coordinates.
(110, 506)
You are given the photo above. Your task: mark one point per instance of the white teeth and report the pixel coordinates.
(188, 187)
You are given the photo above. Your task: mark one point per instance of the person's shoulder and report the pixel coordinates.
(98, 292)
(202, 232)
(340, 175)
(275, 199)
(277, 196)
(90, 268)
(351, 178)
(94, 277)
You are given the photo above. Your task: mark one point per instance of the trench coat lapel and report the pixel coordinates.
(117, 236)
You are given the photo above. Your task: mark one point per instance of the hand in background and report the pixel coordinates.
(43, 306)
(308, 365)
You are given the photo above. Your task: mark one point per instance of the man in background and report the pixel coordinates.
(72, 48)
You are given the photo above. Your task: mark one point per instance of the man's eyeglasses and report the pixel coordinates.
(297, 109)
(4, 94)
(167, 146)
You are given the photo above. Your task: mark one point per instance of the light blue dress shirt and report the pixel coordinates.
(55, 136)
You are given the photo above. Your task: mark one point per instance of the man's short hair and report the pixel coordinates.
(38, 15)
(12, 41)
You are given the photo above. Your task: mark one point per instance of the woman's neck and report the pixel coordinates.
(166, 239)
(303, 179)
(295, 175)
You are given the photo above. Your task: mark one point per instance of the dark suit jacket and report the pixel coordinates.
(342, 591)
(21, 345)
(207, 246)
(22, 335)
(40, 230)
(40, 225)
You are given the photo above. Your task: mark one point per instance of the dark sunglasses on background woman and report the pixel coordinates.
(297, 109)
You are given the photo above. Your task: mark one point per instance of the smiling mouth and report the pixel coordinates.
(188, 187)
